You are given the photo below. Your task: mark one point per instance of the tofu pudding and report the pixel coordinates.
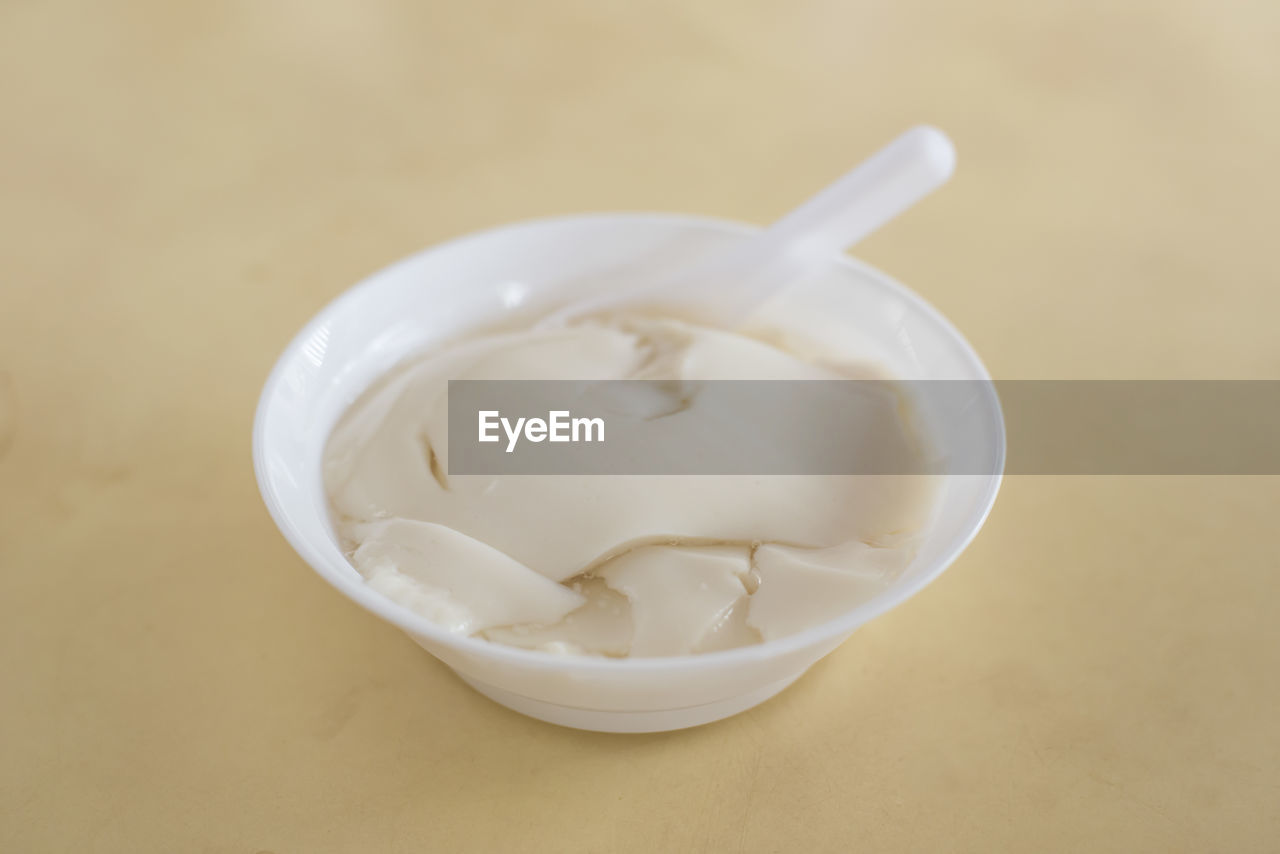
(616, 566)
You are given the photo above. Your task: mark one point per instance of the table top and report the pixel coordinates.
(183, 185)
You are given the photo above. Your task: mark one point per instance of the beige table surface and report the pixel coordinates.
(183, 185)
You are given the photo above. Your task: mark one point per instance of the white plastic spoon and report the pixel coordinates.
(803, 242)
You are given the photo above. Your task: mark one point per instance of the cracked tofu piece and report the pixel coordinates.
(455, 580)
(800, 588)
(602, 626)
(678, 594)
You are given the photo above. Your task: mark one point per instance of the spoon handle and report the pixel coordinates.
(872, 194)
(747, 273)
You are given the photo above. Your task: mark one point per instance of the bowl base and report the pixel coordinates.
(598, 720)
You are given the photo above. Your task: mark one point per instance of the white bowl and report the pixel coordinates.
(446, 290)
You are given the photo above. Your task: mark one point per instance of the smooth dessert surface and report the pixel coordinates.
(639, 565)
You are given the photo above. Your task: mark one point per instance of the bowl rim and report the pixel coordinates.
(326, 561)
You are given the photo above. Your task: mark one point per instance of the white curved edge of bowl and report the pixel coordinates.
(335, 569)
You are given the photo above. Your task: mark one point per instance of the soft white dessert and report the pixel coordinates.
(644, 565)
